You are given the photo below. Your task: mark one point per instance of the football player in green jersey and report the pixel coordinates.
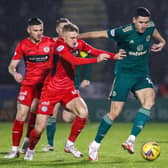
(131, 74)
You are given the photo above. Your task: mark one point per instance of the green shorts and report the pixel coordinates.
(122, 85)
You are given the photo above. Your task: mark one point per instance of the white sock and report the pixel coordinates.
(69, 143)
(96, 144)
(15, 148)
(131, 138)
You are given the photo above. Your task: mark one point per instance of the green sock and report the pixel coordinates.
(50, 130)
(104, 126)
(140, 120)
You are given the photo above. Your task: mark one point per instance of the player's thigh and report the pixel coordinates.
(67, 116)
(55, 110)
(146, 97)
(36, 96)
(34, 105)
(121, 87)
(49, 98)
(144, 91)
(78, 107)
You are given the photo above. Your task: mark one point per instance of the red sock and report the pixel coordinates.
(34, 138)
(30, 123)
(17, 132)
(77, 126)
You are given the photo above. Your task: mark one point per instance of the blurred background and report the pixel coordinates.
(89, 15)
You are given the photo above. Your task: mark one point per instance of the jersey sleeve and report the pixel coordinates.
(18, 54)
(95, 52)
(63, 52)
(115, 34)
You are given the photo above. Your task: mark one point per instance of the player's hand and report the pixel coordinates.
(85, 83)
(18, 77)
(120, 55)
(157, 47)
(103, 57)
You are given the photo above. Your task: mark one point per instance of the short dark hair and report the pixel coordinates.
(142, 11)
(34, 21)
(70, 28)
(62, 20)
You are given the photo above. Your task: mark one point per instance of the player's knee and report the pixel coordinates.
(40, 127)
(114, 112)
(148, 104)
(113, 115)
(21, 116)
(83, 112)
(67, 120)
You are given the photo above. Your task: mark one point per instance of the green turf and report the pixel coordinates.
(110, 156)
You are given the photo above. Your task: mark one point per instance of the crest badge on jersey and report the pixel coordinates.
(60, 48)
(46, 49)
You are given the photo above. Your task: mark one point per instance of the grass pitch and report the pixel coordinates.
(111, 155)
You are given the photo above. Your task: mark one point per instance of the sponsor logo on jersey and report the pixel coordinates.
(148, 37)
(44, 108)
(60, 48)
(46, 49)
(37, 58)
(137, 53)
(112, 32)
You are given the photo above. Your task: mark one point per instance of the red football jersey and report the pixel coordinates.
(65, 60)
(38, 59)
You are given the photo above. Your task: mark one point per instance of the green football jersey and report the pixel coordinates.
(137, 46)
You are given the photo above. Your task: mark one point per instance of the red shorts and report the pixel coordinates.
(50, 97)
(28, 93)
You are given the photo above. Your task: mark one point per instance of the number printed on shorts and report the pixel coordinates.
(149, 80)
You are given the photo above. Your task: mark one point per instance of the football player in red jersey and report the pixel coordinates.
(51, 125)
(60, 87)
(37, 52)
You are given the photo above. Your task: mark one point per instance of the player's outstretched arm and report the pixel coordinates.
(94, 35)
(12, 70)
(159, 46)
